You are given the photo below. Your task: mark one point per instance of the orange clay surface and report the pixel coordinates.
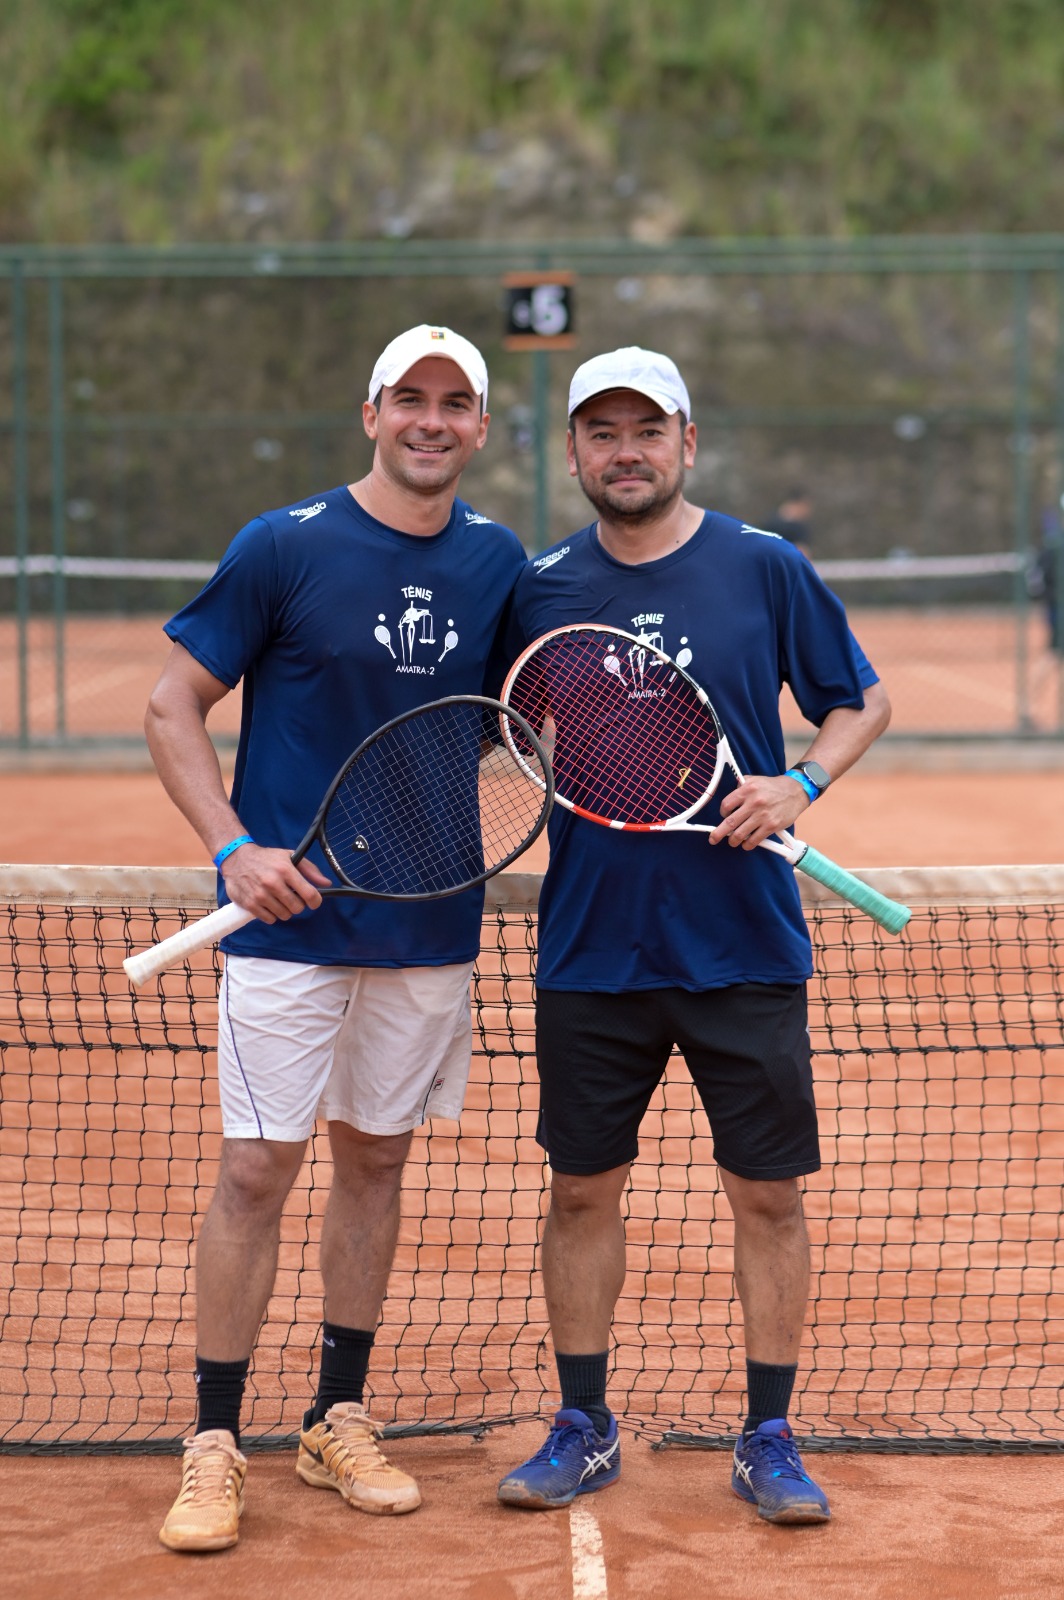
(963, 669)
(670, 1529)
(873, 818)
(946, 1528)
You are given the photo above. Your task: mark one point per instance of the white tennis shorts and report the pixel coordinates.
(381, 1048)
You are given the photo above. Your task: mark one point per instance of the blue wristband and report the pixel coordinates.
(807, 783)
(234, 844)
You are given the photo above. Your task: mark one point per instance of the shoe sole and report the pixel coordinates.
(319, 1477)
(190, 1546)
(528, 1500)
(787, 1516)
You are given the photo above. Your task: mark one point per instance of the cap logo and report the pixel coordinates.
(438, 333)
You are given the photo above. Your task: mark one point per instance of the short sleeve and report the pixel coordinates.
(229, 623)
(821, 660)
(866, 671)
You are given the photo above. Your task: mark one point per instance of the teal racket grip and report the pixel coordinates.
(890, 914)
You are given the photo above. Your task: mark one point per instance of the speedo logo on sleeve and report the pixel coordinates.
(304, 512)
(548, 561)
(766, 533)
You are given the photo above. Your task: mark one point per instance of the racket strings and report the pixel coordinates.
(431, 806)
(629, 737)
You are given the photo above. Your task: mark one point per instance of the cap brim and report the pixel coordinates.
(663, 402)
(392, 377)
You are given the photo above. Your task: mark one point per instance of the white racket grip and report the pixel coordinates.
(197, 936)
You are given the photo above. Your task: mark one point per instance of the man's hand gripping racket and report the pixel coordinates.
(635, 744)
(430, 804)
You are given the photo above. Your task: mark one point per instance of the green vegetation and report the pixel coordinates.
(155, 120)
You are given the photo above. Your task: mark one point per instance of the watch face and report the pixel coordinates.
(815, 773)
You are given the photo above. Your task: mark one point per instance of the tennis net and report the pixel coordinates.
(937, 1314)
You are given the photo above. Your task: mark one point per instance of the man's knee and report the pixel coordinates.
(586, 1197)
(255, 1175)
(774, 1202)
(360, 1158)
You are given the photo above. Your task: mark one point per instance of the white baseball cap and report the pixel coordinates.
(408, 348)
(631, 368)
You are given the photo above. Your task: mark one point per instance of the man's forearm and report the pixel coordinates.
(262, 879)
(190, 772)
(845, 734)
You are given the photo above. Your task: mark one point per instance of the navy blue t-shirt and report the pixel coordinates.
(337, 623)
(745, 612)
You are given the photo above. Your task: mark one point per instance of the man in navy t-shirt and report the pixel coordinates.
(649, 941)
(335, 614)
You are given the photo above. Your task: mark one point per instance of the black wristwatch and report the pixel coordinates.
(815, 773)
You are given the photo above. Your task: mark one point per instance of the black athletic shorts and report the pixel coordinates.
(601, 1056)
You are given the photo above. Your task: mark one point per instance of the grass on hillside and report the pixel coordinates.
(152, 120)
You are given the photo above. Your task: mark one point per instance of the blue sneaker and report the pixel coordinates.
(574, 1459)
(767, 1471)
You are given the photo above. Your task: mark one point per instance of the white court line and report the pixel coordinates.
(589, 1568)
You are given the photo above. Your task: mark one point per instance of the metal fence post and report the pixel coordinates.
(20, 446)
(1054, 561)
(1021, 445)
(57, 422)
(541, 427)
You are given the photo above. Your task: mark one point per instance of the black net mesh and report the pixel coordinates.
(937, 1313)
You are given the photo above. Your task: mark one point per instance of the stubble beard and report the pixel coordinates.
(426, 477)
(648, 509)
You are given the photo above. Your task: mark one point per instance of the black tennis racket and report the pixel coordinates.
(635, 744)
(432, 803)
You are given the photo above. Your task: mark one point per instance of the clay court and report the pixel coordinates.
(982, 1527)
(968, 670)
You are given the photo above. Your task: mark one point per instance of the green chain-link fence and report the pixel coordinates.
(912, 388)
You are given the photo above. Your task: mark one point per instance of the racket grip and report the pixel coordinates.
(197, 936)
(890, 914)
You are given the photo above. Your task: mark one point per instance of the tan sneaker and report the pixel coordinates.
(206, 1512)
(341, 1452)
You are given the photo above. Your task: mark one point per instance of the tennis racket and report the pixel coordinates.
(635, 744)
(430, 804)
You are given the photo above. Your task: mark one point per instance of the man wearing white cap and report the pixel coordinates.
(649, 941)
(338, 613)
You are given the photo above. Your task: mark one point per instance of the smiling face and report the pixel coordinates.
(427, 427)
(630, 457)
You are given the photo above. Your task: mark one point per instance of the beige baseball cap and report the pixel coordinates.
(408, 348)
(645, 371)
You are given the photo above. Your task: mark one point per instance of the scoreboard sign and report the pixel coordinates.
(539, 311)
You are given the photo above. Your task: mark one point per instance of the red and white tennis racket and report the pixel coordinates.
(635, 744)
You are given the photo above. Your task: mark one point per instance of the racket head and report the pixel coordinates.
(633, 740)
(433, 802)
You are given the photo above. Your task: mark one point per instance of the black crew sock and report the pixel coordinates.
(345, 1356)
(219, 1392)
(768, 1392)
(583, 1385)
